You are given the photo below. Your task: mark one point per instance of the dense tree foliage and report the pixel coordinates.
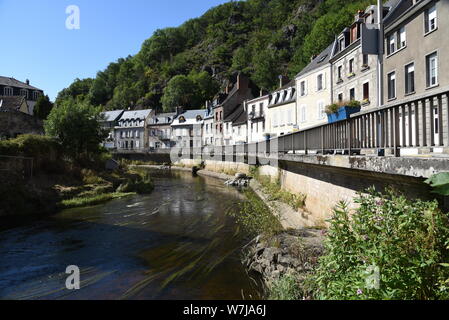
(262, 38)
(43, 107)
(75, 124)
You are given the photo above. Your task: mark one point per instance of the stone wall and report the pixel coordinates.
(16, 123)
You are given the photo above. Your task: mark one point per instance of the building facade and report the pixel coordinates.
(10, 87)
(187, 129)
(281, 111)
(131, 132)
(110, 120)
(257, 111)
(160, 131)
(314, 90)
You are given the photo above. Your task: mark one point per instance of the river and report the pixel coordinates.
(177, 243)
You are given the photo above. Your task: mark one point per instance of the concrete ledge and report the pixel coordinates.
(418, 167)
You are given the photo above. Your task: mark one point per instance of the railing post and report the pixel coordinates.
(322, 139)
(396, 150)
(306, 151)
(445, 116)
(350, 136)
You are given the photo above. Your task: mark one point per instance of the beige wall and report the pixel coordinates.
(418, 47)
(361, 76)
(313, 98)
(281, 119)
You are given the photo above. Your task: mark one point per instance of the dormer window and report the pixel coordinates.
(199, 118)
(182, 119)
(24, 93)
(8, 91)
(341, 44)
(36, 95)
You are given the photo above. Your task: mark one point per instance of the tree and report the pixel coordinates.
(43, 107)
(178, 92)
(75, 124)
(266, 69)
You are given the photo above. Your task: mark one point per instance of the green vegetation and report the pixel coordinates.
(440, 183)
(43, 107)
(405, 242)
(286, 288)
(255, 217)
(185, 65)
(93, 200)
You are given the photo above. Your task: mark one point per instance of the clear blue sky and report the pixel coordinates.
(36, 45)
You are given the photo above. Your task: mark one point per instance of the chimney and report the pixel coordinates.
(242, 82)
(179, 110)
(283, 80)
(27, 81)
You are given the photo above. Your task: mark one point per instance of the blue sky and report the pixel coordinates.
(36, 44)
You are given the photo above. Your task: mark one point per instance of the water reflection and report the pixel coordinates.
(177, 243)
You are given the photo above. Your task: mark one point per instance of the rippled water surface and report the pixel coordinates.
(177, 243)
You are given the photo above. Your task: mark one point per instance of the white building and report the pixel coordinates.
(187, 129)
(257, 111)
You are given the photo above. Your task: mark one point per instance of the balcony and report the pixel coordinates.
(256, 115)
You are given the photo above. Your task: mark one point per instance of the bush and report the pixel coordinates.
(286, 288)
(332, 108)
(391, 248)
(137, 181)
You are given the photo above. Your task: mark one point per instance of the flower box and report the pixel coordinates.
(342, 114)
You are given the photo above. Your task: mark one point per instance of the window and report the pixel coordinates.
(321, 113)
(303, 113)
(341, 44)
(352, 94)
(24, 93)
(402, 36)
(340, 68)
(365, 60)
(36, 95)
(366, 91)
(392, 85)
(410, 78)
(261, 109)
(340, 97)
(391, 44)
(303, 88)
(430, 19)
(8, 91)
(319, 82)
(137, 134)
(351, 66)
(432, 69)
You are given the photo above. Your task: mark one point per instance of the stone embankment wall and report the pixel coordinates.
(324, 186)
(16, 123)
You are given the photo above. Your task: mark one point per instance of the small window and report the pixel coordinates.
(391, 44)
(352, 94)
(351, 66)
(402, 36)
(340, 97)
(339, 72)
(430, 19)
(321, 112)
(410, 78)
(303, 88)
(432, 69)
(319, 81)
(8, 91)
(365, 60)
(392, 85)
(366, 91)
(24, 93)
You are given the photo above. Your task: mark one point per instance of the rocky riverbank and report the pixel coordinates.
(293, 252)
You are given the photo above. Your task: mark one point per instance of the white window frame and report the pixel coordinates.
(395, 85)
(321, 111)
(428, 71)
(427, 24)
(8, 91)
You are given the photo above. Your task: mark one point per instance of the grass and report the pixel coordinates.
(286, 288)
(93, 200)
(276, 193)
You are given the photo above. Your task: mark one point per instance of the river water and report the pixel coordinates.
(177, 243)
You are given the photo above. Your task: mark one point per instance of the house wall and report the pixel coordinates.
(362, 75)
(131, 138)
(239, 134)
(159, 137)
(208, 132)
(281, 119)
(257, 126)
(418, 47)
(313, 98)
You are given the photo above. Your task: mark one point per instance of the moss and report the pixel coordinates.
(92, 200)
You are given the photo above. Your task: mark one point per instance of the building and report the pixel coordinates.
(232, 123)
(10, 87)
(110, 120)
(14, 103)
(15, 120)
(187, 129)
(131, 132)
(208, 125)
(354, 71)
(160, 131)
(257, 110)
(226, 103)
(282, 117)
(314, 90)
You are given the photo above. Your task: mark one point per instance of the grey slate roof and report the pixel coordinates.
(112, 115)
(135, 115)
(190, 116)
(322, 59)
(163, 118)
(12, 103)
(11, 82)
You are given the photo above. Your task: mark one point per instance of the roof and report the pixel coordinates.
(112, 115)
(135, 115)
(235, 113)
(11, 82)
(190, 117)
(241, 118)
(286, 94)
(163, 118)
(321, 60)
(11, 103)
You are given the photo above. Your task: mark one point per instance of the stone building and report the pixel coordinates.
(160, 131)
(10, 87)
(131, 132)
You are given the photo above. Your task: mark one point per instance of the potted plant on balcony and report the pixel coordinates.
(342, 111)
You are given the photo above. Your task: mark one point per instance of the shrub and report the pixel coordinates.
(332, 108)
(286, 288)
(137, 181)
(405, 243)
